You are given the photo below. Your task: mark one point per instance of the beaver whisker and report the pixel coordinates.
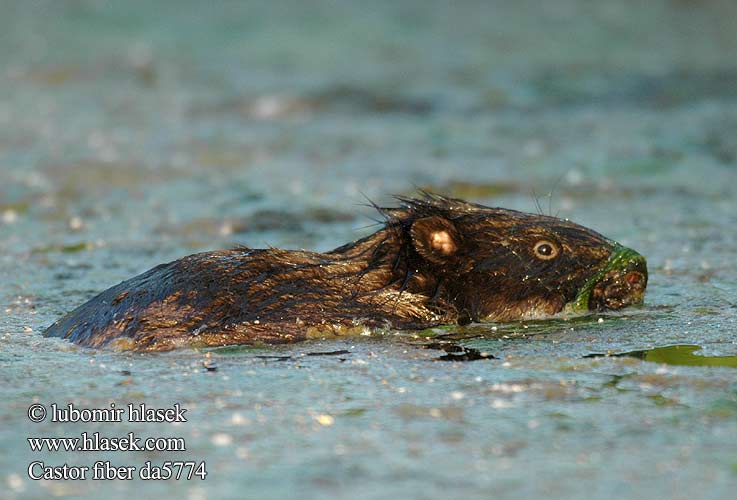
(537, 202)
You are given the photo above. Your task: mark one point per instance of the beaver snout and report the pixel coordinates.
(622, 287)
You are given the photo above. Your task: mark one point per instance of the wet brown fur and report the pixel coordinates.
(435, 261)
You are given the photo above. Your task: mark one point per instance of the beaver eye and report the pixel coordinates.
(545, 250)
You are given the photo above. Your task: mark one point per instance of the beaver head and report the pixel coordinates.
(498, 264)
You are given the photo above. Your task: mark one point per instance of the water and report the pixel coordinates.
(131, 135)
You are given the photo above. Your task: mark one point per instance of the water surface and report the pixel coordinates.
(132, 134)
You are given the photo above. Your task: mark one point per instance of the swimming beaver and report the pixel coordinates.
(436, 260)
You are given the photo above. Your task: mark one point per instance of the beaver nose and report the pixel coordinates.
(635, 273)
(634, 278)
(621, 286)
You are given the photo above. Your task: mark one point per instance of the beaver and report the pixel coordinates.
(435, 260)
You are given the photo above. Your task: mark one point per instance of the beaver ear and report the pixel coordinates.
(435, 238)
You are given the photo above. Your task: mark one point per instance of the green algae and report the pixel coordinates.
(71, 248)
(620, 258)
(679, 355)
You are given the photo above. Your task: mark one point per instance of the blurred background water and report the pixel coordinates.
(132, 133)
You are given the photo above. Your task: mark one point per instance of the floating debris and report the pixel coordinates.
(457, 352)
(328, 353)
(325, 420)
(221, 439)
(273, 358)
(9, 216)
